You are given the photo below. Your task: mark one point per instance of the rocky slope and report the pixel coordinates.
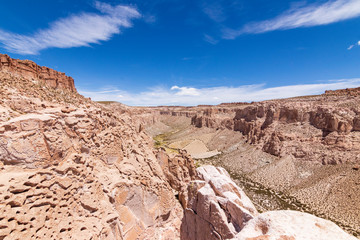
(73, 169)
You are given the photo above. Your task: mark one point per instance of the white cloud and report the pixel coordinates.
(185, 91)
(74, 31)
(187, 96)
(306, 16)
(214, 11)
(210, 39)
(353, 45)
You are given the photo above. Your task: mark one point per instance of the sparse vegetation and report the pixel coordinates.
(160, 142)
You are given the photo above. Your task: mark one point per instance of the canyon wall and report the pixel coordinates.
(71, 168)
(321, 128)
(29, 69)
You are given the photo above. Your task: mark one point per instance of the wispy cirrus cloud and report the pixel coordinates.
(303, 16)
(190, 96)
(215, 11)
(74, 31)
(353, 45)
(210, 39)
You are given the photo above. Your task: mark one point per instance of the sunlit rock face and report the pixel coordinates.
(31, 70)
(215, 208)
(74, 169)
(291, 225)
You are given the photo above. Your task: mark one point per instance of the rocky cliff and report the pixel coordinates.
(71, 168)
(31, 70)
(323, 128)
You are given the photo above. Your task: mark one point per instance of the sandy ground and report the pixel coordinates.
(196, 148)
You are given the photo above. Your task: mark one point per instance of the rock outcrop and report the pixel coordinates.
(73, 169)
(31, 70)
(215, 208)
(341, 92)
(291, 225)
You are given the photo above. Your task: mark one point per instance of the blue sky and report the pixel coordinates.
(180, 52)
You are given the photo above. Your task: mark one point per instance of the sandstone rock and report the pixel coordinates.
(179, 170)
(324, 127)
(215, 207)
(73, 169)
(29, 69)
(281, 225)
(218, 209)
(67, 110)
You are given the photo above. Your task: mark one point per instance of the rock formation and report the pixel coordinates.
(215, 208)
(305, 149)
(341, 92)
(323, 128)
(31, 70)
(71, 168)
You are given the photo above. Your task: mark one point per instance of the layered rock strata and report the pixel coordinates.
(31, 70)
(323, 129)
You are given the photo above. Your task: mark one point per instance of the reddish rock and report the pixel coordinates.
(31, 70)
(71, 168)
(347, 91)
(323, 129)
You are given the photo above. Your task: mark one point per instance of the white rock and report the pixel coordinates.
(294, 225)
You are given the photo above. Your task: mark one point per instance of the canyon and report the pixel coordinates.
(301, 153)
(72, 168)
